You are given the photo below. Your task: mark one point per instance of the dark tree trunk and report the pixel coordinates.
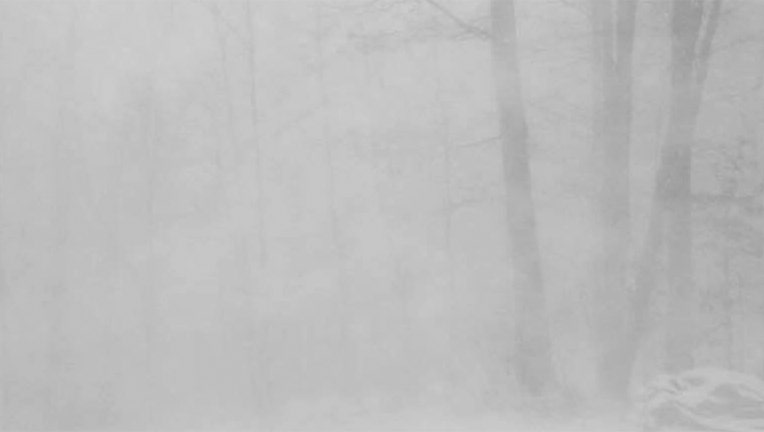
(613, 26)
(532, 360)
(671, 216)
(689, 54)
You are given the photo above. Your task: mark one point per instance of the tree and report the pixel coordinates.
(4, 296)
(244, 257)
(148, 119)
(256, 145)
(532, 359)
(693, 27)
(4, 348)
(613, 44)
(337, 244)
(728, 228)
(532, 362)
(691, 37)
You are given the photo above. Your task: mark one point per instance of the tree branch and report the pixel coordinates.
(704, 48)
(477, 143)
(459, 21)
(213, 9)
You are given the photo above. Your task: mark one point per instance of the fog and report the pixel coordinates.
(374, 215)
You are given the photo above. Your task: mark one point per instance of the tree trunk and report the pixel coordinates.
(256, 145)
(5, 363)
(149, 295)
(671, 217)
(532, 360)
(347, 343)
(686, 21)
(613, 47)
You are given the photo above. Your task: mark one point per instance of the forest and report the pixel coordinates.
(376, 215)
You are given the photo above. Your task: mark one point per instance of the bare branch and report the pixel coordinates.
(704, 49)
(478, 142)
(462, 23)
(213, 9)
(471, 202)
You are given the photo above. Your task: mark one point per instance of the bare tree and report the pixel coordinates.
(338, 246)
(4, 334)
(691, 37)
(4, 296)
(149, 141)
(693, 27)
(533, 352)
(533, 366)
(257, 147)
(613, 26)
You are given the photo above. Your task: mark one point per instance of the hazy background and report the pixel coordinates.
(224, 215)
